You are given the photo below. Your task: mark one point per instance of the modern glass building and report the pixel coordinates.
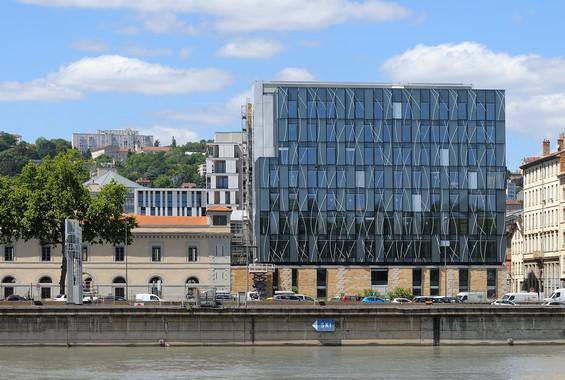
(356, 174)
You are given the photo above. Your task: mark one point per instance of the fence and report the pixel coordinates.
(50, 291)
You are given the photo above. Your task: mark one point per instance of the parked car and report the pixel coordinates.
(89, 298)
(15, 298)
(373, 299)
(223, 296)
(111, 298)
(522, 297)
(146, 297)
(451, 300)
(557, 296)
(286, 297)
(504, 302)
(252, 296)
(401, 300)
(550, 302)
(472, 297)
(350, 298)
(305, 298)
(60, 298)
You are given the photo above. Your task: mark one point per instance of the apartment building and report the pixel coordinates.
(123, 138)
(544, 218)
(223, 170)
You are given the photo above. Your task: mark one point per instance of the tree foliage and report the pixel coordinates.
(175, 164)
(14, 156)
(46, 194)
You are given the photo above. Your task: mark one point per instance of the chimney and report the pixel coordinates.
(560, 142)
(545, 151)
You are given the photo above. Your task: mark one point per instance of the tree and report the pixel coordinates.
(157, 143)
(162, 181)
(173, 142)
(53, 191)
(104, 159)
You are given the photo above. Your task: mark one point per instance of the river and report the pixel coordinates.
(140, 363)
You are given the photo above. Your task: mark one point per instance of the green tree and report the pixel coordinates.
(103, 159)
(157, 143)
(53, 191)
(173, 142)
(162, 181)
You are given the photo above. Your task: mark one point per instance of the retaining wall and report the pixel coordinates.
(415, 325)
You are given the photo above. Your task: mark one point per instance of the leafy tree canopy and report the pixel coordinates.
(44, 195)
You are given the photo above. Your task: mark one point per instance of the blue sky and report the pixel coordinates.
(183, 67)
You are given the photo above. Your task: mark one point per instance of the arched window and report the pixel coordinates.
(119, 287)
(192, 280)
(45, 287)
(156, 286)
(8, 288)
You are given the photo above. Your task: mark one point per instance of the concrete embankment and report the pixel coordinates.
(279, 325)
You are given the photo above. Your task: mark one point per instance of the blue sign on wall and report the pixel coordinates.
(324, 325)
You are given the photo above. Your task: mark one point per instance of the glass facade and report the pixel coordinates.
(382, 175)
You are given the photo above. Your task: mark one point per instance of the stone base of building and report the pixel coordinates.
(331, 281)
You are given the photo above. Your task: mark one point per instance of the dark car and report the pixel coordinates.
(451, 300)
(15, 297)
(111, 298)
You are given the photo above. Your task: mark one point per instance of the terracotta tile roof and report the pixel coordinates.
(149, 220)
(219, 208)
(155, 149)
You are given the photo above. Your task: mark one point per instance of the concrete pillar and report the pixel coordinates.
(425, 282)
(333, 282)
(501, 282)
(478, 280)
(285, 278)
(307, 281)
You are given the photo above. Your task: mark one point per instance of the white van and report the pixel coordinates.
(522, 297)
(557, 296)
(472, 297)
(146, 297)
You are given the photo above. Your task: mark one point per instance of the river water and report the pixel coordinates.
(453, 363)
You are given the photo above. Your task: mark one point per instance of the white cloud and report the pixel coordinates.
(218, 114)
(535, 85)
(185, 52)
(252, 15)
(114, 73)
(294, 74)
(165, 133)
(166, 22)
(250, 48)
(141, 51)
(90, 46)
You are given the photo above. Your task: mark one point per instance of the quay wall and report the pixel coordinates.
(384, 325)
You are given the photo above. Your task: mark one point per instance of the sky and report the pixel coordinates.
(183, 68)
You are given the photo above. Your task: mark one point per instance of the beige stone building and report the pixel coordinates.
(544, 219)
(167, 253)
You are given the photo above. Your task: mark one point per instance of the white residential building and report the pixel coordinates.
(224, 170)
(122, 138)
(543, 220)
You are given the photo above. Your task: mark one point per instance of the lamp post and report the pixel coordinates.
(126, 258)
